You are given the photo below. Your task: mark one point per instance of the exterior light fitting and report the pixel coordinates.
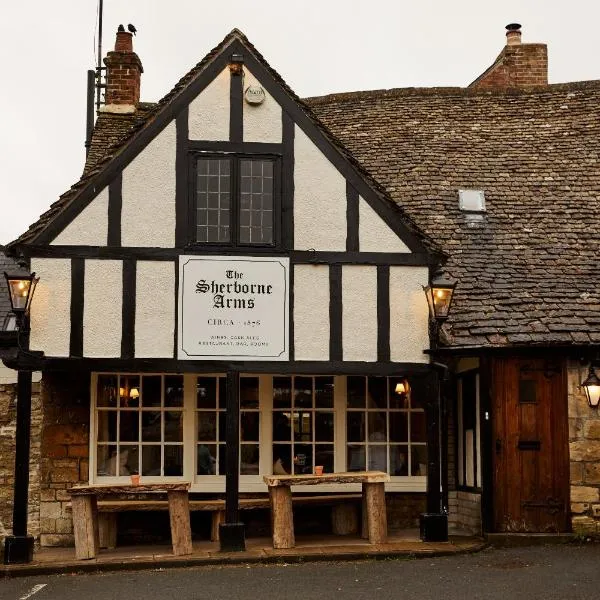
(21, 286)
(591, 386)
(439, 296)
(236, 64)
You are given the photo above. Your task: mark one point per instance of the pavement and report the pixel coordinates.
(258, 550)
(558, 572)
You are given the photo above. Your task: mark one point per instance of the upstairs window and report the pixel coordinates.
(234, 201)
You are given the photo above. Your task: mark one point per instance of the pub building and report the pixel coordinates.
(227, 294)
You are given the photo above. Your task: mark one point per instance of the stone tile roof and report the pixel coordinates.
(528, 272)
(6, 264)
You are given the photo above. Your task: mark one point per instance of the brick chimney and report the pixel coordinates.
(517, 66)
(123, 73)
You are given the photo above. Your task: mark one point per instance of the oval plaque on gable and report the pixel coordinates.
(255, 94)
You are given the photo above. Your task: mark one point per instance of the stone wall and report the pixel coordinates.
(465, 511)
(8, 414)
(65, 449)
(584, 453)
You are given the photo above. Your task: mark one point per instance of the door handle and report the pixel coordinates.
(498, 446)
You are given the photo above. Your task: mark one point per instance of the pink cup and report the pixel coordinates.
(135, 480)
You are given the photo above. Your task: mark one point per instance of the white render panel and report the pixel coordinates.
(311, 312)
(103, 291)
(262, 122)
(359, 312)
(209, 112)
(319, 199)
(50, 306)
(409, 314)
(90, 226)
(148, 213)
(155, 309)
(374, 233)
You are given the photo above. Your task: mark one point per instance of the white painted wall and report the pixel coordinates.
(148, 213)
(262, 122)
(319, 199)
(311, 312)
(103, 292)
(208, 117)
(155, 309)
(90, 227)
(359, 320)
(374, 233)
(9, 376)
(51, 305)
(409, 334)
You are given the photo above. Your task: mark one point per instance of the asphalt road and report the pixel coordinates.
(544, 573)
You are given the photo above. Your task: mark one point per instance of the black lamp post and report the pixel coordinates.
(591, 386)
(434, 523)
(18, 547)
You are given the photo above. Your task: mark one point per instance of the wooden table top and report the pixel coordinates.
(142, 488)
(353, 477)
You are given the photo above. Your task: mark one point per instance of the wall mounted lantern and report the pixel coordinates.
(21, 287)
(236, 64)
(591, 386)
(439, 296)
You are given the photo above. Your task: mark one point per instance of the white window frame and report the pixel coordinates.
(248, 483)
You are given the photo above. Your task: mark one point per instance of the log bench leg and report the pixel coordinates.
(282, 517)
(218, 517)
(179, 515)
(107, 526)
(85, 526)
(344, 519)
(374, 502)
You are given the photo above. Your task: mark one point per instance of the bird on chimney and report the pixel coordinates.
(132, 28)
(121, 28)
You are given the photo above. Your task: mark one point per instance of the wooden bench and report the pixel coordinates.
(86, 525)
(373, 498)
(343, 520)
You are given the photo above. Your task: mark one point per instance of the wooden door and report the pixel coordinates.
(531, 461)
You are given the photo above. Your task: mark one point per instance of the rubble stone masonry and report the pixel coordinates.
(584, 452)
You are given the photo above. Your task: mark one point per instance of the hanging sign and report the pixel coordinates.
(233, 308)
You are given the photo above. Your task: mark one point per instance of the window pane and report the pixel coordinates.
(377, 457)
(418, 460)
(249, 426)
(256, 202)
(222, 392)
(398, 427)
(323, 426)
(207, 426)
(206, 392)
(377, 426)
(356, 392)
(106, 466)
(151, 460)
(356, 458)
(150, 426)
(324, 392)
(303, 392)
(303, 459)
(303, 427)
(174, 390)
(249, 459)
(212, 200)
(399, 393)
(173, 461)
(418, 428)
(282, 459)
(282, 395)
(249, 392)
(377, 392)
(107, 426)
(151, 390)
(355, 426)
(107, 390)
(129, 426)
(173, 426)
(207, 459)
(399, 460)
(282, 429)
(222, 459)
(129, 390)
(222, 417)
(324, 457)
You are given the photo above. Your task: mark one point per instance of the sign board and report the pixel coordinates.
(233, 308)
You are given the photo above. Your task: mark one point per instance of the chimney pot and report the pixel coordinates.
(513, 34)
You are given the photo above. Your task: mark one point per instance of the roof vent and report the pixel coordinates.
(471, 201)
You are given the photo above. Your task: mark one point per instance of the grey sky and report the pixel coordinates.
(318, 46)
